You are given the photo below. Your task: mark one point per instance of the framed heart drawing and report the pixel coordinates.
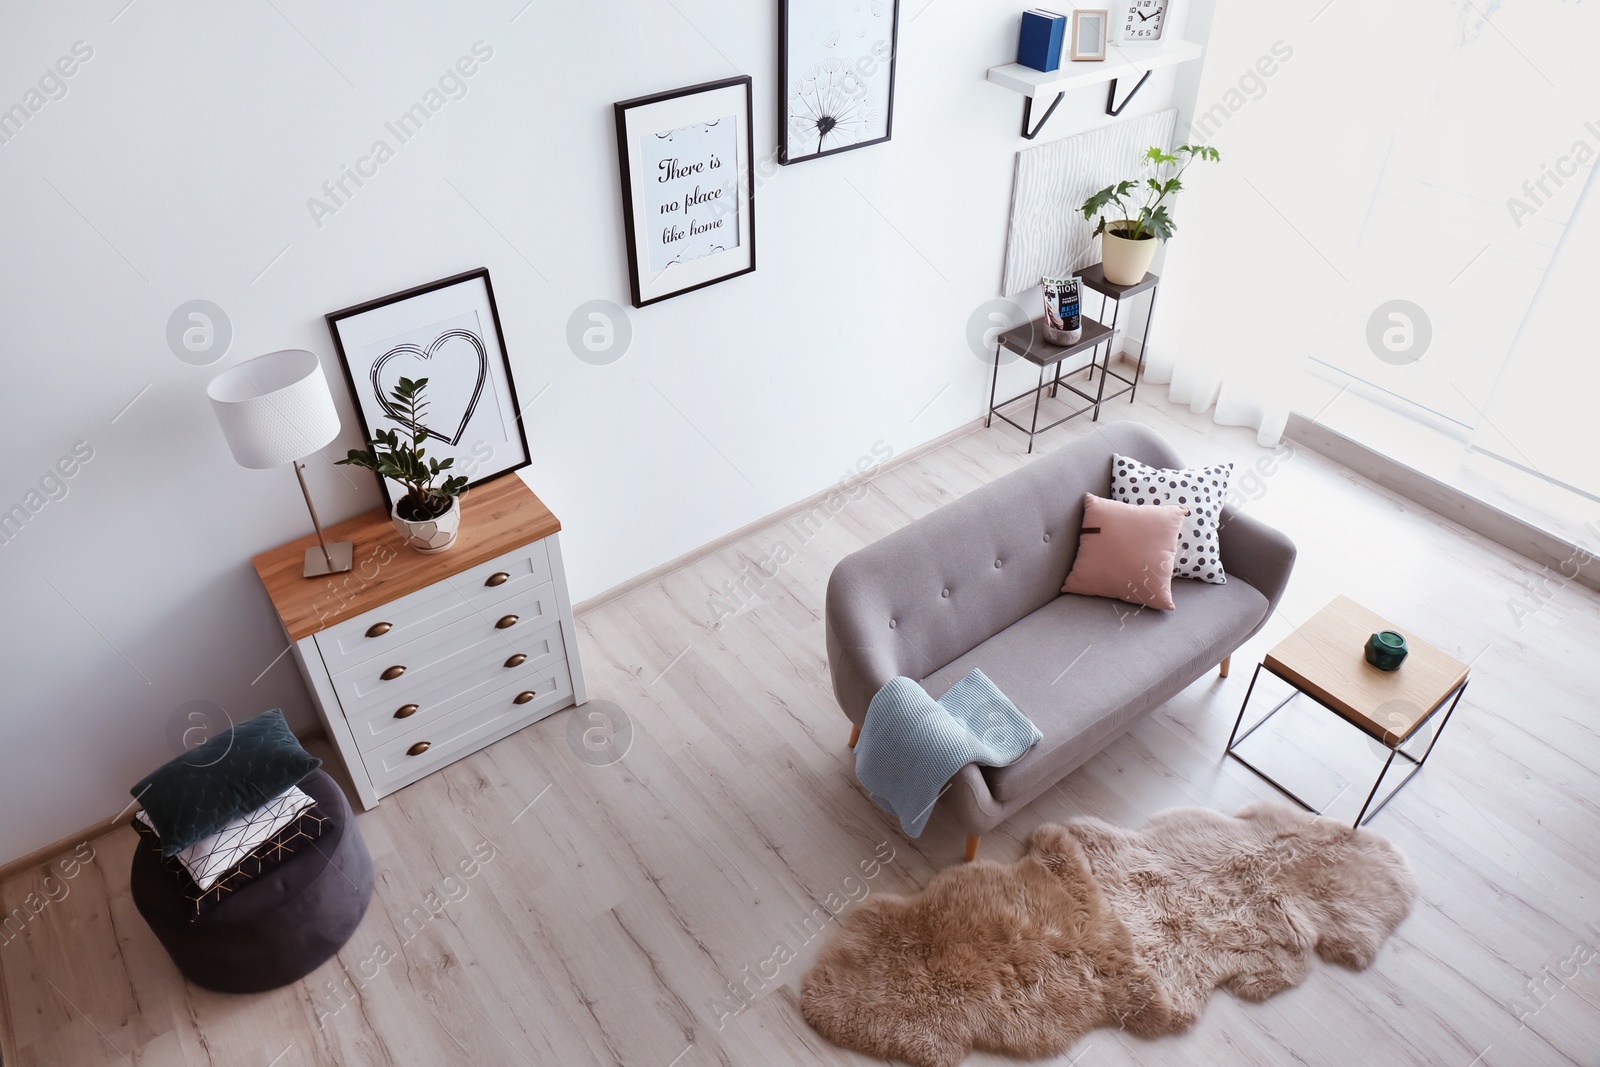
(448, 332)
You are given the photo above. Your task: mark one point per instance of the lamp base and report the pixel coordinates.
(340, 552)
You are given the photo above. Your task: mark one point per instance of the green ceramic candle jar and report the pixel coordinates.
(1386, 650)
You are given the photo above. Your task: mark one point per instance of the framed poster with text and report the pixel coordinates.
(688, 195)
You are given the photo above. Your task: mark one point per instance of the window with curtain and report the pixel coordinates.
(1398, 208)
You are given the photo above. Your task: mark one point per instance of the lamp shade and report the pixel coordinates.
(274, 409)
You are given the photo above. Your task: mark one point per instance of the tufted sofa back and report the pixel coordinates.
(934, 590)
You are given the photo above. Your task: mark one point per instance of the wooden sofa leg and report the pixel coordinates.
(972, 847)
(1223, 668)
(855, 735)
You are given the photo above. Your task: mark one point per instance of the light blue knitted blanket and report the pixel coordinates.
(912, 744)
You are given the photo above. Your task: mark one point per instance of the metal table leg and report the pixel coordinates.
(1235, 739)
(1416, 763)
(1381, 775)
(1111, 350)
(1038, 395)
(992, 383)
(1097, 347)
(1149, 316)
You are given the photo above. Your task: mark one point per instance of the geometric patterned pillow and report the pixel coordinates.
(209, 858)
(1201, 489)
(300, 833)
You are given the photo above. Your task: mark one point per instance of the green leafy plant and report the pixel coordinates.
(1152, 220)
(406, 461)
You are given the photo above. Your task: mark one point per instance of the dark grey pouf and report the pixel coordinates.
(278, 928)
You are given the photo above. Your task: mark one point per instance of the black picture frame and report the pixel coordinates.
(364, 326)
(654, 113)
(789, 152)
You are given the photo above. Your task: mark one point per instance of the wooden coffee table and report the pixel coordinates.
(1325, 660)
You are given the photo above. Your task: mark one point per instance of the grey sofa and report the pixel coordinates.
(977, 584)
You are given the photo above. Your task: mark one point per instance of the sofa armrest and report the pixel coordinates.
(1258, 554)
(971, 804)
(861, 652)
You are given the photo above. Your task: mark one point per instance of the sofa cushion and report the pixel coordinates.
(1126, 552)
(1085, 668)
(1201, 489)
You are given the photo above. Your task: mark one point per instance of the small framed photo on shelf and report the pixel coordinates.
(688, 194)
(1090, 28)
(448, 332)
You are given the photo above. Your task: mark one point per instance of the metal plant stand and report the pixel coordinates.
(1029, 343)
(1095, 278)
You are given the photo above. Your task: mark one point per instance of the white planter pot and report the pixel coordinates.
(1126, 262)
(435, 534)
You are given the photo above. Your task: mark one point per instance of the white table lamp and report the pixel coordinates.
(276, 409)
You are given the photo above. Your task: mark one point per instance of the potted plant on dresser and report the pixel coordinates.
(428, 516)
(1128, 244)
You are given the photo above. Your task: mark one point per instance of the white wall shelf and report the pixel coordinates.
(1120, 62)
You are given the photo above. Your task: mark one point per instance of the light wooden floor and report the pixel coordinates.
(622, 903)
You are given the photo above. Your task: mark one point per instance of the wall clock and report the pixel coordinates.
(1144, 21)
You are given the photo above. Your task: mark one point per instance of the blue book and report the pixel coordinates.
(1043, 34)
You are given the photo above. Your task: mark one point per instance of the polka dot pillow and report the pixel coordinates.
(1200, 489)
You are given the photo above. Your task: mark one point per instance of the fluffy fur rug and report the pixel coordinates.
(1097, 926)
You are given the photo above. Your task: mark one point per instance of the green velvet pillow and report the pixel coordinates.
(234, 773)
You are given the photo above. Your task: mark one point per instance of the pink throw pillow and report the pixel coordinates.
(1125, 551)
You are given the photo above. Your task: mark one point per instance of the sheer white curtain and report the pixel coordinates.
(1373, 151)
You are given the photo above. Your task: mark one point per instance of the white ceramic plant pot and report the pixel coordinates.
(1126, 262)
(433, 535)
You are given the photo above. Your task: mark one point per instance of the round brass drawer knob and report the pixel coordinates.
(524, 696)
(498, 578)
(516, 661)
(405, 711)
(392, 673)
(378, 629)
(419, 748)
(505, 622)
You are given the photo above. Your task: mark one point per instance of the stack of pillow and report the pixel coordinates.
(226, 812)
(1157, 525)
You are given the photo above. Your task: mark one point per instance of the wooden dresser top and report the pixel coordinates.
(496, 517)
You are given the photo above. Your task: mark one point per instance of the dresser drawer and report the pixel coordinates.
(386, 628)
(405, 759)
(417, 670)
(501, 579)
(543, 651)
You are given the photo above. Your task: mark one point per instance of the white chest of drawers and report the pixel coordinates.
(414, 660)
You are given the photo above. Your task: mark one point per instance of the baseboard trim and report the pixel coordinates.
(40, 856)
(1554, 553)
(695, 555)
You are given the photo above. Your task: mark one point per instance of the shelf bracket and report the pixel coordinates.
(1027, 113)
(1111, 95)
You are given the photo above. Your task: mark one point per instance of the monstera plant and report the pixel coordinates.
(428, 516)
(1128, 244)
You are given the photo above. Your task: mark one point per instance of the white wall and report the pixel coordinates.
(178, 165)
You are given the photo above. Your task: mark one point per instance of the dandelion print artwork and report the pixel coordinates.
(837, 69)
(831, 109)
